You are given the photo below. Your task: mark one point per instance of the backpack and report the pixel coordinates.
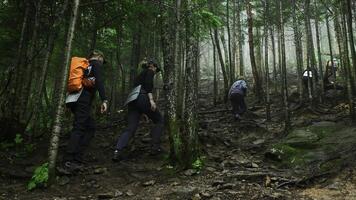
(77, 78)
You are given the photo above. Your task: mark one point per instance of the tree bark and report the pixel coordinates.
(240, 40)
(284, 69)
(170, 30)
(231, 64)
(274, 61)
(330, 46)
(320, 64)
(222, 64)
(298, 50)
(25, 94)
(54, 143)
(256, 76)
(348, 7)
(190, 131)
(266, 23)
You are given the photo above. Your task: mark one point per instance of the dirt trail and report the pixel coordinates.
(234, 167)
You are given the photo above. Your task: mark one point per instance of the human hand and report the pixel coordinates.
(153, 105)
(104, 107)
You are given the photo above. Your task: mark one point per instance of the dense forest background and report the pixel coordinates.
(198, 43)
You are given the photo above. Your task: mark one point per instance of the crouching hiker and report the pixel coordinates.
(85, 79)
(140, 101)
(237, 95)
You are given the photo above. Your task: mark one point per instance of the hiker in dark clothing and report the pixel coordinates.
(143, 104)
(84, 125)
(308, 76)
(237, 95)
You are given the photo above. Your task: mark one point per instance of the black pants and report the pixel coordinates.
(238, 103)
(83, 127)
(136, 109)
(305, 84)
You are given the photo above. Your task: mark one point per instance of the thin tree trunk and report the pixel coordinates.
(310, 52)
(25, 94)
(266, 23)
(226, 55)
(136, 50)
(274, 61)
(240, 40)
(347, 65)
(231, 64)
(348, 6)
(50, 45)
(321, 74)
(284, 69)
(54, 143)
(256, 76)
(225, 76)
(299, 51)
(215, 71)
(330, 46)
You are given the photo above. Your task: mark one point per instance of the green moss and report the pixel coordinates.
(331, 165)
(289, 156)
(324, 131)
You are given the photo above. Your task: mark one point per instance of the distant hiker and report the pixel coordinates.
(330, 76)
(308, 75)
(140, 101)
(84, 80)
(237, 95)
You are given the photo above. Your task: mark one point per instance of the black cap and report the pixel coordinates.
(154, 63)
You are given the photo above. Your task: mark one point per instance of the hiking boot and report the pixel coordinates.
(117, 156)
(237, 117)
(70, 168)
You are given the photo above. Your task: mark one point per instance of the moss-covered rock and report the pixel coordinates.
(321, 147)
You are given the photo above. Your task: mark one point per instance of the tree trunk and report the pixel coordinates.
(348, 70)
(231, 64)
(12, 89)
(330, 46)
(215, 71)
(225, 76)
(284, 69)
(25, 94)
(256, 76)
(266, 23)
(54, 143)
(170, 30)
(41, 86)
(240, 40)
(136, 50)
(190, 130)
(226, 55)
(274, 61)
(298, 50)
(310, 52)
(348, 7)
(321, 74)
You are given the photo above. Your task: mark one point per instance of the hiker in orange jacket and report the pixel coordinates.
(84, 125)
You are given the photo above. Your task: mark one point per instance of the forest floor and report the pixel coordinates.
(235, 164)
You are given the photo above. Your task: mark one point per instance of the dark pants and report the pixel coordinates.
(305, 84)
(238, 103)
(136, 109)
(83, 127)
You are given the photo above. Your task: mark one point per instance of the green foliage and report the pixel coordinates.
(210, 19)
(18, 139)
(198, 163)
(39, 178)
